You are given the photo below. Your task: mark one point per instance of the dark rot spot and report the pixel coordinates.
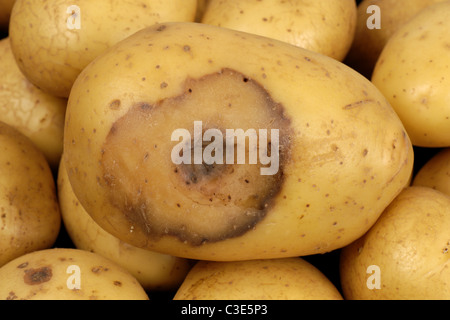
(196, 202)
(37, 276)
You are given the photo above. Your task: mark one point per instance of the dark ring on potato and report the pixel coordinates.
(195, 203)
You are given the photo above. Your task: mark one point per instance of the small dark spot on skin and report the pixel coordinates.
(163, 85)
(161, 28)
(187, 48)
(115, 104)
(365, 152)
(99, 269)
(117, 283)
(37, 276)
(22, 265)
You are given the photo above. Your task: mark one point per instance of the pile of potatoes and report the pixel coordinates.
(102, 101)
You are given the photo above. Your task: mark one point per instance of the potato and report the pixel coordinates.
(29, 212)
(413, 72)
(406, 253)
(5, 13)
(369, 42)
(274, 279)
(326, 26)
(436, 172)
(332, 153)
(34, 113)
(154, 271)
(67, 274)
(54, 42)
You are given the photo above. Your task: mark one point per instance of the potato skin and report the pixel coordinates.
(154, 271)
(435, 173)
(410, 244)
(335, 185)
(273, 279)
(368, 43)
(34, 113)
(51, 55)
(29, 211)
(53, 274)
(412, 73)
(326, 26)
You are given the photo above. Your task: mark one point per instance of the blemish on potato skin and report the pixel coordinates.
(140, 211)
(37, 276)
(115, 104)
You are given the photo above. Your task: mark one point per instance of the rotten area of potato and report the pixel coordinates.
(196, 203)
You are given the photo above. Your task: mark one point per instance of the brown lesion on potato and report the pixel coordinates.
(195, 203)
(37, 276)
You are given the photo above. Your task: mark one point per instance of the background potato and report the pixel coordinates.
(34, 113)
(67, 274)
(29, 211)
(154, 271)
(277, 279)
(409, 244)
(50, 49)
(325, 26)
(5, 13)
(436, 172)
(368, 43)
(413, 72)
(344, 152)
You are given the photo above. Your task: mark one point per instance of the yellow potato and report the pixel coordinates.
(5, 13)
(371, 37)
(273, 279)
(338, 152)
(154, 271)
(325, 26)
(54, 42)
(34, 113)
(406, 254)
(413, 73)
(436, 172)
(29, 212)
(67, 274)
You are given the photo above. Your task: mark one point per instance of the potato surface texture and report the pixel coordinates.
(369, 42)
(29, 212)
(325, 26)
(340, 157)
(272, 279)
(409, 245)
(55, 40)
(154, 271)
(436, 172)
(67, 274)
(413, 72)
(34, 113)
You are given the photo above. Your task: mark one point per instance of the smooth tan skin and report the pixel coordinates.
(30, 218)
(436, 172)
(275, 279)
(49, 275)
(368, 43)
(325, 26)
(345, 156)
(410, 244)
(412, 72)
(34, 113)
(51, 55)
(154, 271)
